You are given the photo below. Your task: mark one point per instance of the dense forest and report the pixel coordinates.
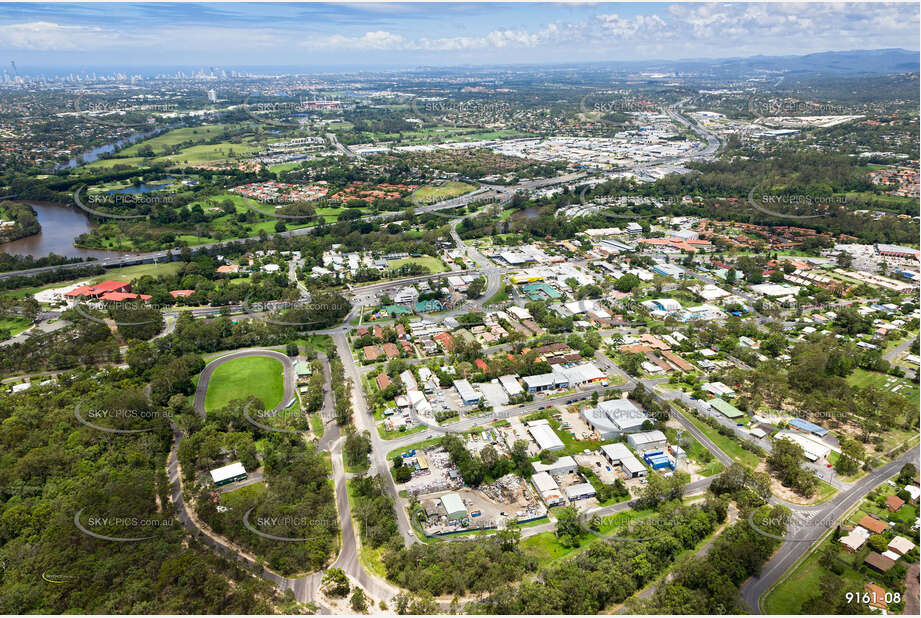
(54, 467)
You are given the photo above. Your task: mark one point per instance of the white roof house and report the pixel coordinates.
(901, 545)
(854, 540)
(409, 380)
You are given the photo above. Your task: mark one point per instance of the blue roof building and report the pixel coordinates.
(808, 427)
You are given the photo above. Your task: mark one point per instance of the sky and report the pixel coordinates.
(237, 35)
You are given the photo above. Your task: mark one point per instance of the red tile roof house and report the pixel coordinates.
(391, 350)
(181, 293)
(481, 365)
(115, 297)
(872, 524)
(372, 352)
(96, 291)
(894, 503)
(383, 381)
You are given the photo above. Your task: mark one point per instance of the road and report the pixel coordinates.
(335, 143)
(799, 543)
(305, 588)
(379, 448)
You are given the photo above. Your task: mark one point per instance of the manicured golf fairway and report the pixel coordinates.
(242, 377)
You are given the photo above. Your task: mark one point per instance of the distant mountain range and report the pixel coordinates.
(856, 62)
(842, 63)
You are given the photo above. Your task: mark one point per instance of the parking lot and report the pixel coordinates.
(600, 466)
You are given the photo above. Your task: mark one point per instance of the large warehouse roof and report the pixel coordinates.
(545, 437)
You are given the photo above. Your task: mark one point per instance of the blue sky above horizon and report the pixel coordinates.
(411, 34)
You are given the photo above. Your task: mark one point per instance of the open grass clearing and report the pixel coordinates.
(240, 378)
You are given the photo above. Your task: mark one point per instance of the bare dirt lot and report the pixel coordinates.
(577, 425)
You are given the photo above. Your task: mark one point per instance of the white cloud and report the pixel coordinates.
(48, 36)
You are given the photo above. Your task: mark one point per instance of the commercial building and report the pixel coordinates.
(807, 427)
(577, 375)
(511, 385)
(98, 290)
(547, 488)
(658, 460)
(407, 295)
(719, 389)
(614, 418)
(647, 440)
(619, 455)
(665, 305)
(543, 434)
(814, 449)
(468, 395)
(545, 382)
(579, 491)
(454, 506)
(563, 465)
(727, 409)
(774, 289)
(228, 474)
